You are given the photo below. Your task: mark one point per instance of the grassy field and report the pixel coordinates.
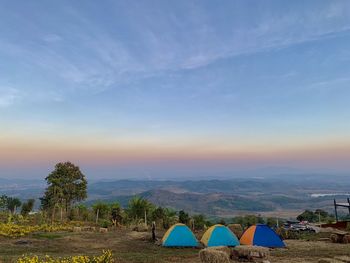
(129, 246)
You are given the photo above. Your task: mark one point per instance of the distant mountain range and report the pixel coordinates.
(211, 197)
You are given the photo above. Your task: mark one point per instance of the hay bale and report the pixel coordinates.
(328, 260)
(237, 229)
(226, 250)
(325, 260)
(346, 239)
(88, 228)
(336, 238)
(103, 230)
(210, 255)
(250, 252)
(344, 259)
(77, 229)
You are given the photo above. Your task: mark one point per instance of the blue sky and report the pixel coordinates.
(163, 78)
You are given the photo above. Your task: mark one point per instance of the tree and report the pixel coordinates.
(248, 220)
(27, 207)
(116, 214)
(12, 204)
(222, 222)
(271, 222)
(308, 215)
(101, 210)
(158, 214)
(3, 202)
(66, 185)
(82, 212)
(199, 222)
(170, 217)
(184, 218)
(321, 213)
(139, 208)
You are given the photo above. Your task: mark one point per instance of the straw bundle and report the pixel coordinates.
(210, 255)
(251, 252)
(103, 230)
(76, 229)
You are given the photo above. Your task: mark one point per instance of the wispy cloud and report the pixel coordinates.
(94, 57)
(51, 38)
(8, 96)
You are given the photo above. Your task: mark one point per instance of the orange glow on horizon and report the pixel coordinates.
(38, 151)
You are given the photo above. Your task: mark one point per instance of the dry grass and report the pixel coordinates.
(128, 246)
(209, 255)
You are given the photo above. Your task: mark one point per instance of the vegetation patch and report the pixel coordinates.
(106, 257)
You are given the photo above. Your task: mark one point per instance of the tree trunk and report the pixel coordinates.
(61, 214)
(53, 214)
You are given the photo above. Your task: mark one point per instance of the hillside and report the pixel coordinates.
(212, 197)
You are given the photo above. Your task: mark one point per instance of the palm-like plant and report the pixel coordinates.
(139, 208)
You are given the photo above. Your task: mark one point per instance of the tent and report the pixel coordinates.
(219, 235)
(179, 235)
(261, 235)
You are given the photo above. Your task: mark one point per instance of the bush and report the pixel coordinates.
(104, 223)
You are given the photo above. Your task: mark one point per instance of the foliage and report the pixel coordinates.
(12, 203)
(170, 218)
(200, 222)
(104, 223)
(316, 216)
(184, 218)
(248, 220)
(138, 207)
(27, 207)
(106, 257)
(158, 214)
(271, 222)
(222, 222)
(101, 210)
(16, 230)
(3, 202)
(116, 214)
(66, 185)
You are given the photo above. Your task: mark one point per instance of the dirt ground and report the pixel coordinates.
(129, 246)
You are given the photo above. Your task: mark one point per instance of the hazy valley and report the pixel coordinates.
(224, 198)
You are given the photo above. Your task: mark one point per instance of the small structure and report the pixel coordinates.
(336, 205)
(261, 235)
(219, 235)
(179, 235)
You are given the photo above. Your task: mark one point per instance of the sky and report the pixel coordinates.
(166, 89)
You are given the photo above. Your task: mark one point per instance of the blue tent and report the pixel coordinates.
(179, 235)
(261, 235)
(219, 235)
